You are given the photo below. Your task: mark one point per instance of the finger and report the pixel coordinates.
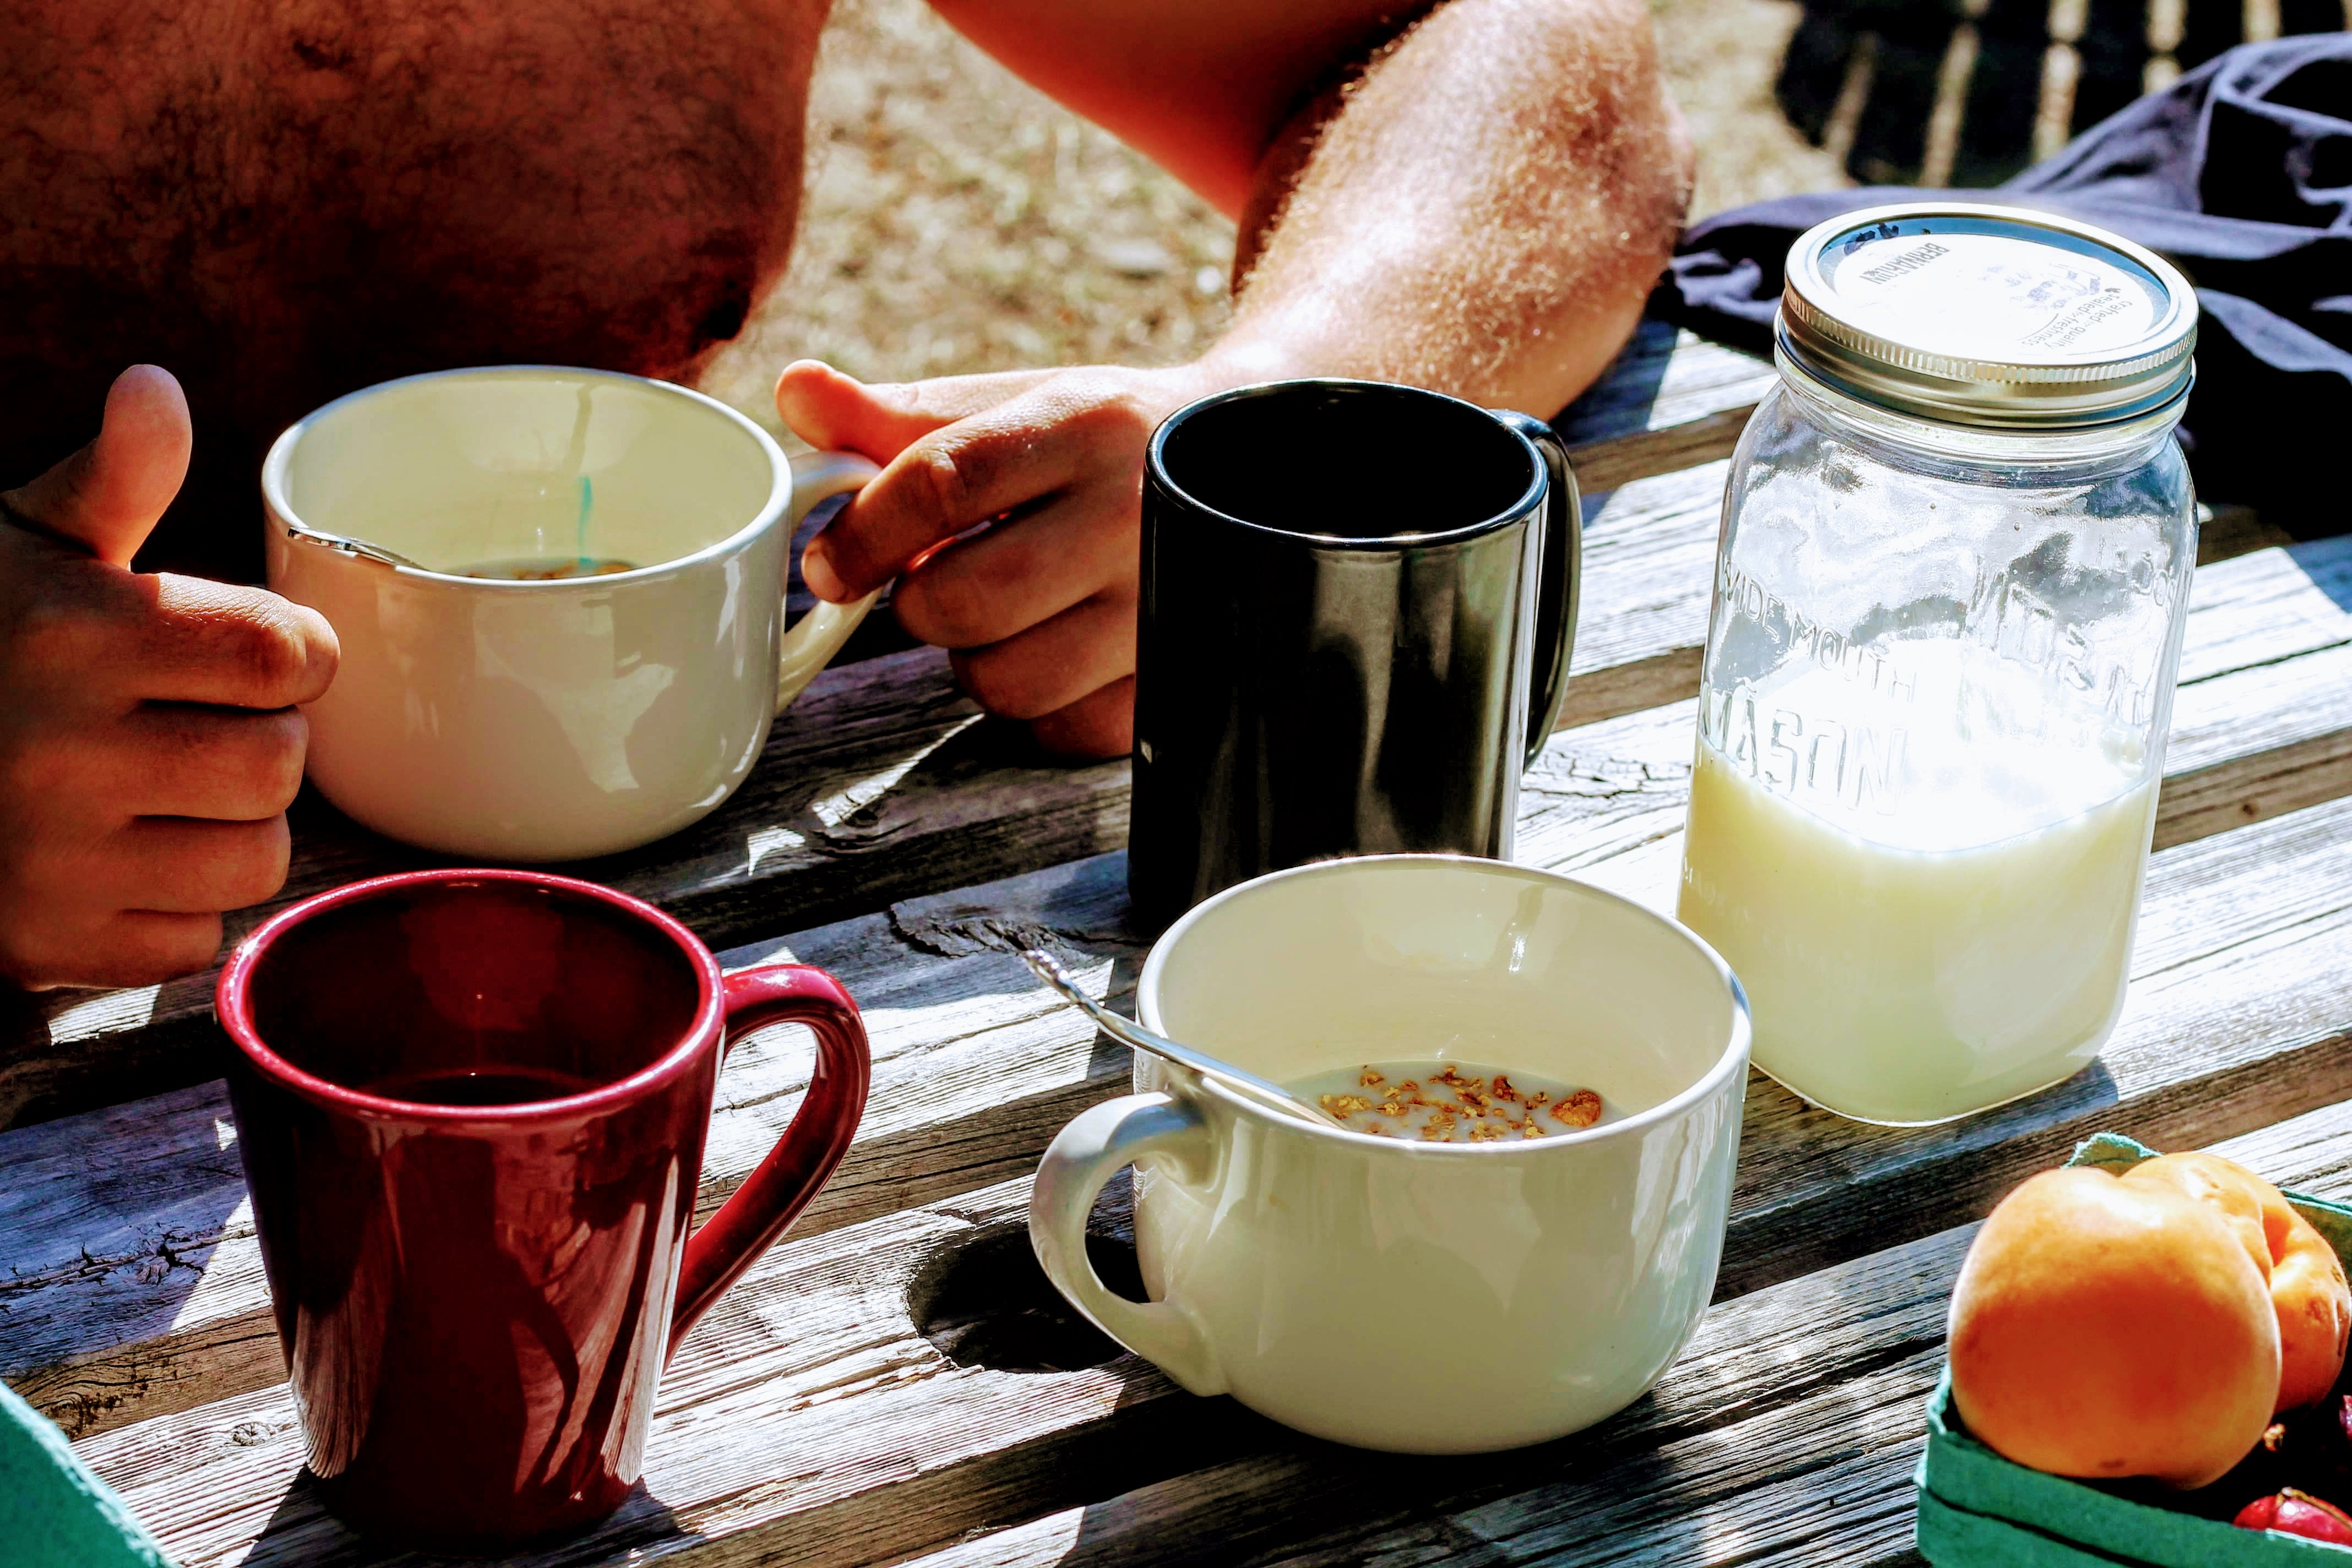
(84, 782)
(240, 648)
(1099, 724)
(997, 584)
(145, 947)
(828, 409)
(1052, 664)
(177, 865)
(225, 765)
(106, 497)
(964, 474)
(128, 947)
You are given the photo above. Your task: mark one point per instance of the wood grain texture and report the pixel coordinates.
(807, 1395)
(879, 784)
(253, 1423)
(136, 1291)
(1649, 572)
(810, 1422)
(882, 784)
(975, 1073)
(827, 1411)
(133, 1282)
(2261, 724)
(2240, 1014)
(1814, 1388)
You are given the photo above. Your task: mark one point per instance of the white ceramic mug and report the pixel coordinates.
(1420, 1297)
(545, 720)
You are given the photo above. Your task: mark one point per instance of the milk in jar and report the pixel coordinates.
(1912, 966)
(1950, 598)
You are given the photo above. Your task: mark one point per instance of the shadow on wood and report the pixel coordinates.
(303, 1526)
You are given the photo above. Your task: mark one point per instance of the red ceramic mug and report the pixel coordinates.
(471, 1107)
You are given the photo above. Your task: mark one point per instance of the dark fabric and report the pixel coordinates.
(2241, 175)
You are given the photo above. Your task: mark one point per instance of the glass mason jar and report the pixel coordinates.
(1949, 596)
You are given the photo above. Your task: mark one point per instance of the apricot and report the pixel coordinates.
(2225, 1186)
(2307, 1280)
(2315, 1313)
(2103, 1329)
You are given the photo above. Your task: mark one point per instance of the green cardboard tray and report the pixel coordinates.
(53, 1513)
(1978, 1508)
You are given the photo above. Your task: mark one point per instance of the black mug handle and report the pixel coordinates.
(1563, 573)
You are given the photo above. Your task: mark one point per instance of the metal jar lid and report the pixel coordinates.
(1991, 316)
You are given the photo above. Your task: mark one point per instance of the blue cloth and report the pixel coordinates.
(2241, 175)
(53, 1513)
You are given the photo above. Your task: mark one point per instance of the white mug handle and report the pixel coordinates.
(809, 647)
(1082, 1157)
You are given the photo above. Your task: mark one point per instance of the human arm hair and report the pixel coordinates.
(1474, 197)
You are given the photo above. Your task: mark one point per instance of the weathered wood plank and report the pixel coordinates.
(2242, 1007)
(881, 783)
(1649, 568)
(136, 1290)
(811, 1422)
(133, 1282)
(752, 1459)
(808, 1396)
(2261, 724)
(2256, 742)
(2271, 604)
(79, 1325)
(1821, 1481)
(2240, 1014)
(1819, 1478)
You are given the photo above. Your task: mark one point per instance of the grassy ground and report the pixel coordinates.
(957, 220)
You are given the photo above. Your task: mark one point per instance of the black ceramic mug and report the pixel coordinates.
(1358, 605)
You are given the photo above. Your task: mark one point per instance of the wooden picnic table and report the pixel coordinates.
(896, 1381)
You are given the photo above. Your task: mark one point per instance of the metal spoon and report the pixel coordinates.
(1128, 1032)
(348, 546)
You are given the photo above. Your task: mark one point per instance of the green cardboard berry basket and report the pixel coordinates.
(1979, 1510)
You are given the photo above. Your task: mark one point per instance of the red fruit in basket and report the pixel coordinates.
(2107, 1328)
(2292, 1513)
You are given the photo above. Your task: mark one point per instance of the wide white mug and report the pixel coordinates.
(1420, 1297)
(545, 720)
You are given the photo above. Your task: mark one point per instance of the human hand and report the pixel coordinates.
(1039, 609)
(149, 742)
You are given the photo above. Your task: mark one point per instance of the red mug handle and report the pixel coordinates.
(773, 1196)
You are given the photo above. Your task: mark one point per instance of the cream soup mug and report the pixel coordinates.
(545, 720)
(1420, 1297)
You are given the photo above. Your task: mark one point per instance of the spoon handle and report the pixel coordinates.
(1047, 968)
(345, 546)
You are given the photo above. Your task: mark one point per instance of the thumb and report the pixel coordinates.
(107, 496)
(828, 409)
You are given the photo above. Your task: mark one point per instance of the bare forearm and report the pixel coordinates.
(1481, 210)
